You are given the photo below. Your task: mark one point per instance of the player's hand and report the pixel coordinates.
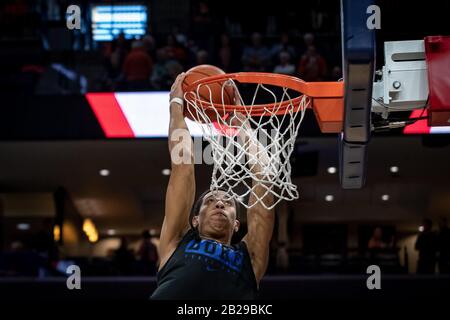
(177, 90)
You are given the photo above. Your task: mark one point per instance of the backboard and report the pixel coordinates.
(358, 62)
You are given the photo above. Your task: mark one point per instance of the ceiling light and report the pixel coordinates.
(57, 233)
(385, 197)
(421, 229)
(90, 230)
(331, 170)
(104, 172)
(23, 226)
(394, 169)
(329, 197)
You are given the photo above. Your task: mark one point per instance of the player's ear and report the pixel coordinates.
(195, 221)
(237, 224)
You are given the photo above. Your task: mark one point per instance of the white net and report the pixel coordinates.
(251, 153)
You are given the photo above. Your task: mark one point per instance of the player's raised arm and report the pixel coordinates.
(181, 189)
(260, 221)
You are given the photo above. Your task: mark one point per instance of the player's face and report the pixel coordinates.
(217, 213)
(378, 233)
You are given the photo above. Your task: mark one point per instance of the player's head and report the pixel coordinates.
(378, 233)
(214, 215)
(311, 50)
(146, 234)
(256, 39)
(285, 57)
(427, 225)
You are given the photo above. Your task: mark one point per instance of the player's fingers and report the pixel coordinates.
(177, 80)
(180, 78)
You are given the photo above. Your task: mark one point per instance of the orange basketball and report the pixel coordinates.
(211, 92)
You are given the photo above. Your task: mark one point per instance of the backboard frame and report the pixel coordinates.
(358, 62)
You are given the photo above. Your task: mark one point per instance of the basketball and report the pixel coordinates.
(207, 93)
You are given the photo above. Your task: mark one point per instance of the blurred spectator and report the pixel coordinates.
(285, 66)
(180, 37)
(308, 40)
(165, 71)
(148, 254)
(44, 244)
(137, 67)
(312, 67)
(255, 56)
(426, 245)
(118, 54)
(443, 242)
(174, 68)
(191, 53)
(34, 255)
(149, 46)
(17, 246)
(160, 77)
(202, 24)
(336, 73)
(202, 57)
(377, 241)
(319, 15)
(174, 50)
(20, 261)
(225, 53)
(283, 46)
(123, 258)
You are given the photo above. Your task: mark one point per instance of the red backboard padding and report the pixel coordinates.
(437, 51)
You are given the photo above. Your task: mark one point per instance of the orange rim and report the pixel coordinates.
(313, 90)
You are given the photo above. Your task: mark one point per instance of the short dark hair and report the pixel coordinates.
(146, 234)
(198, 204)
(428, 222)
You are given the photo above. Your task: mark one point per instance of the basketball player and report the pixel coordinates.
(198, 260)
